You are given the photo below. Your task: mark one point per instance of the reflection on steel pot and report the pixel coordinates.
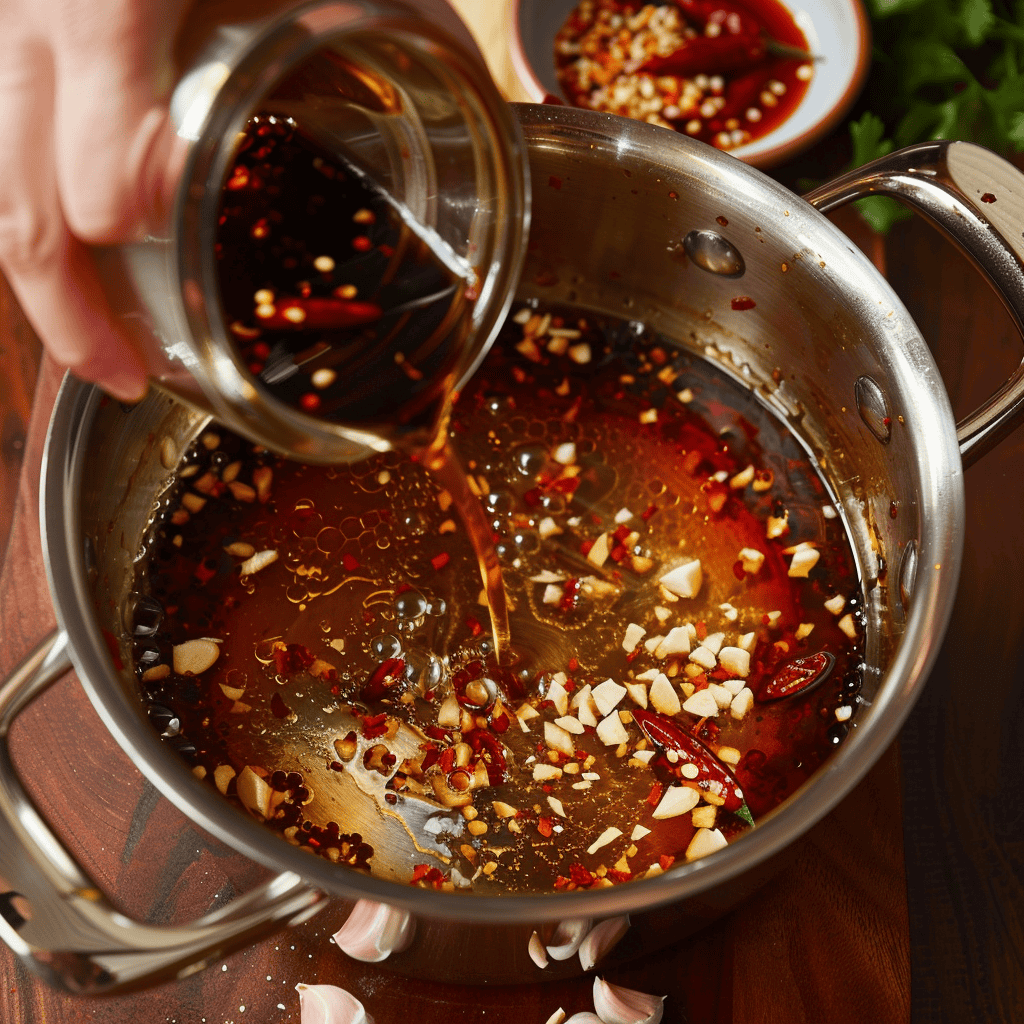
(614, 202)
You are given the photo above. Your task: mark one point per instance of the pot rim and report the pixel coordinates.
(940, 539)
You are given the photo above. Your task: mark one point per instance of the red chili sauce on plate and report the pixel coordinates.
(720, 71)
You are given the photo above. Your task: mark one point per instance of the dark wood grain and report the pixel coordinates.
(20, 353)
(963, 747)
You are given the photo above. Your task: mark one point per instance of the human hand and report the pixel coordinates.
(86, 147)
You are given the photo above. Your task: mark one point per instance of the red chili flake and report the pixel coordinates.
(894, 509)
(500, 723)
(310, 401)
(562, 883)
(386, 250)
(700, 682)
(426, 873)
(555, 182)
(581, 876)
(743, 302)
(573, 664)
(440, 561)
(446, 762)
(350, 562)
(721, 220)
(586, 546)
(336, 766)
(112, 647)
(702, 629)
(618, 553)
(472, 624)
(204, 573)
(361, 243)
(738, 570)
(261, 350)
(375, 725)
(239, 179)
(619, 876)
(988, 198)
(290, 658)
(666, 860)
(654, 797)
(544, 827)
(648, 512)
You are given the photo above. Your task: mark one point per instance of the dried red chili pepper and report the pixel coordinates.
(713, 775)
(303, 314)
(798, 676)
(709, 56)
(377, 685)
(741, 94)
(733, 20)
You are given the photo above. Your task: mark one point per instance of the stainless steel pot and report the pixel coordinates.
(634, 221)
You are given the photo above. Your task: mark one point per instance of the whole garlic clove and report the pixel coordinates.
(617, 1005)
(328, 1004)
(602, 939)
(373, 931)
(583, 1017)
(568, 936)
(538, 954)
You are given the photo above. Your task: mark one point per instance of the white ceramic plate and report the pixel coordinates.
(837, 32)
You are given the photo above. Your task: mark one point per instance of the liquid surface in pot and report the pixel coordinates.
(685, 619)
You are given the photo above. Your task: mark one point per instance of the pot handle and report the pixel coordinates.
(60, 925)
(976, 199)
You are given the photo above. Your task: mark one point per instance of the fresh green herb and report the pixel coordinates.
(744, 814)
(942, 69)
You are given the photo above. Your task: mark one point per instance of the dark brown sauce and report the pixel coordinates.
(360, 651)
(334, 305)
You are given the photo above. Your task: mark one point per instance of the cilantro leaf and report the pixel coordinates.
(869, 142)
(941, 69)
(880, 213)
(977, 19)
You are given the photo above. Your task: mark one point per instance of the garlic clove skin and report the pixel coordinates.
(373, 931)
(328, 1004)
(617, 1005)
(601, 939)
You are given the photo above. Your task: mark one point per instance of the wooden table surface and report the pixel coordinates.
(905, 903)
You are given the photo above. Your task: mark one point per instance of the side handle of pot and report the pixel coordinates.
(59, 924)
(976, 199)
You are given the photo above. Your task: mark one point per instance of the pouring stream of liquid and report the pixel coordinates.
(443, 464)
